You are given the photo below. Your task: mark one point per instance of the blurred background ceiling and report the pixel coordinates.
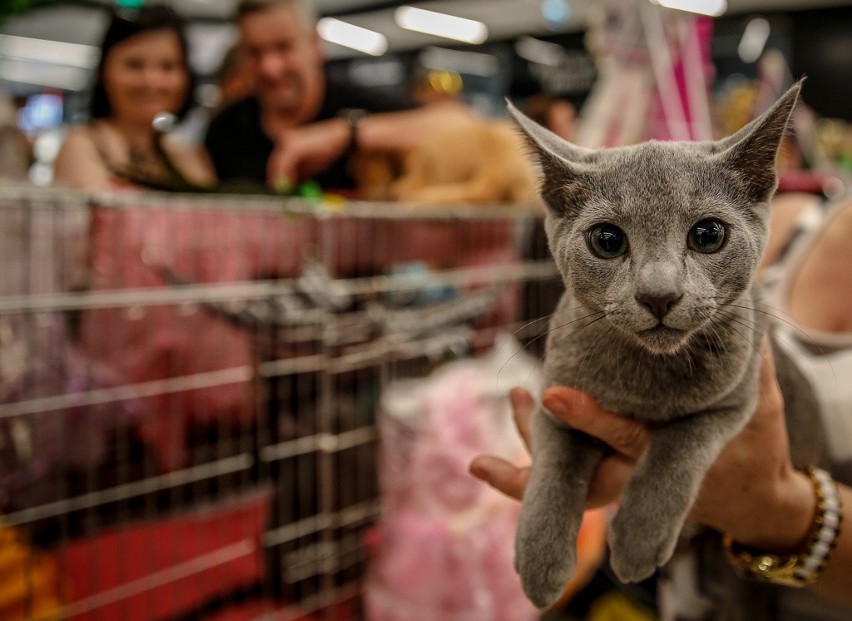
(54, 46)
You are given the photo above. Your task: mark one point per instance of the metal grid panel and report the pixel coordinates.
(188, 387)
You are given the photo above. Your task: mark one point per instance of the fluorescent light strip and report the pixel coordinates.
(51, 52)
(41, 74)
(462, 61)
(441, 24)
(541, 52)
(352, 36)
(713, 8)
(754, 39)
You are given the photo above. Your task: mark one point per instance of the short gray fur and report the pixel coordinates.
(663, 333)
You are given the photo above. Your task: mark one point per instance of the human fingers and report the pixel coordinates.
(501, 475)
(609, 478)
(771, 400)
(581, 412)
(523, 407)
(280, 170)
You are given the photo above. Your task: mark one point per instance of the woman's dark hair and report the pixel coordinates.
(122, 26)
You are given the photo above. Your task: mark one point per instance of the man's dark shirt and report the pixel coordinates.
(240, 149)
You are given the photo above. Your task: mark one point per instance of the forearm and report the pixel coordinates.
(400, 131)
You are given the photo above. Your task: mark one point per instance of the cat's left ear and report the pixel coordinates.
(751, 152)
(546, 144)
(565, 167)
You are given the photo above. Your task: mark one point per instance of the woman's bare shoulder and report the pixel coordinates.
(78, 163)
(78, 137)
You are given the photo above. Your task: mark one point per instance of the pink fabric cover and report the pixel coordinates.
(445, 544)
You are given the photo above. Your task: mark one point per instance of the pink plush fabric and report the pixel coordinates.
(445, 548)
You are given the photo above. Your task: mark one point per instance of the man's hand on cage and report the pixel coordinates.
(302, 152)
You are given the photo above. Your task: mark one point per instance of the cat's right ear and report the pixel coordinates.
(564, 166)
(752, 151)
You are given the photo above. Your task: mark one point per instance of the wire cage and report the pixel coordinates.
(189, 389)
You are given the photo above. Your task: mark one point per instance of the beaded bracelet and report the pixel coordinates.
(802, 568)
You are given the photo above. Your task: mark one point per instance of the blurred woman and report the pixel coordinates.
(143, 74)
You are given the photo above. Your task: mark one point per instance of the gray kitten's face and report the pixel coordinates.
(657, 242)
(660, 236)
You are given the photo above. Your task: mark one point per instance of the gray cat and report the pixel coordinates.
(657, 244)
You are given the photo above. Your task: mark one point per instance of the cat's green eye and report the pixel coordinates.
(706, 236)
(607, 241)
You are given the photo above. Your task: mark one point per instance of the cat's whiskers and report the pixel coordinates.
(689, 361)
(734, 318)
(781, 336)
(587, 355)
(541, 319)
(546, 333)
(530, 323)
(787, 320)
(713, 334)
(558, 341)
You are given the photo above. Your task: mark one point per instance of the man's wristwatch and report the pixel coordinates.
(353, 118)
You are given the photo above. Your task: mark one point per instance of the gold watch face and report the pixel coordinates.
(772, 568)
(769, 565)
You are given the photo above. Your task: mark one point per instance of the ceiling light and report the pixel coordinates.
(540, 52)
(57, 76)
(49, 52)
(556, 13)
(713, 8)
(461, 61)
(352, 36)
(441, 24)
(754, 40)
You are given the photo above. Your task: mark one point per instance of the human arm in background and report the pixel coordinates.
(78, 163)
(752, 492)
(302, 152)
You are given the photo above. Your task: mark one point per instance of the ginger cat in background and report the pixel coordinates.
(482, 162)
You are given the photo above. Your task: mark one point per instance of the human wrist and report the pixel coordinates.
(785, 516)
(805, 565)
(353, 118)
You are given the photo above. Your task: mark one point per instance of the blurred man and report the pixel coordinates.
(300, 123)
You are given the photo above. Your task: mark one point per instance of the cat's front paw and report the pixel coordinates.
(544, 567)
(639, 546)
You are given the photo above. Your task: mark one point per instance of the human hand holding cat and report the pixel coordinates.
(751, 492)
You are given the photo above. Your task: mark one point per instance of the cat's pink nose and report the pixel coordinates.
(659, 305)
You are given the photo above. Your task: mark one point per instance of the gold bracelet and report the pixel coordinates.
(804, 567)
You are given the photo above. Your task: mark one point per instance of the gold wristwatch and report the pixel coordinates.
(804, 567)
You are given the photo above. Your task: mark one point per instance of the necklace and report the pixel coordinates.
(149, 167)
